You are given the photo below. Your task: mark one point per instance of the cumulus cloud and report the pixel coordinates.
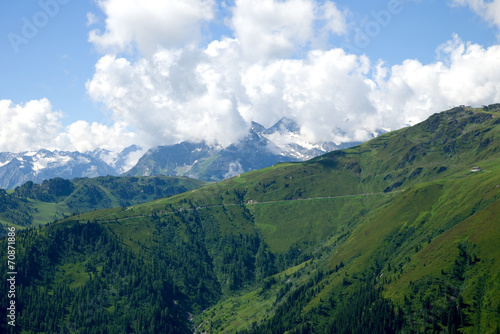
(82, 136)
(216, 97)
(148, 24)
(269, 28)
(276, 29)
(36, 125)
(30, 125)
(214, 93)
(327, 93)
(473, 73)
(330, 21)
(172, 96)
(466, 74)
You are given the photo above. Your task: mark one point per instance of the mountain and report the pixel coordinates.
(37, 204)
(120, 162)
(396, 235)
(36, 166)
(287, 141)
(19, 168)
(259, 149)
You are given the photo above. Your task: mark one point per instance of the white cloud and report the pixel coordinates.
(235, 168)
(171, 96)
(213, 94)
(320, 92)
(488, 10)
(466, 74)
(195, 95)
(148, 24)
(91, 19)
(332, 21)
(36, 125)
(82, 136)
(473, 75)
(268, 29)
(26, 126)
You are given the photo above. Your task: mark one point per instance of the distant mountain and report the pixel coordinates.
(260, 148)
(122, 161)
(287, 141)
(36, 166)
(18, 168)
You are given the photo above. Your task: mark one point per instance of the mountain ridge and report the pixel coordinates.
(262, 147)
(36, 166)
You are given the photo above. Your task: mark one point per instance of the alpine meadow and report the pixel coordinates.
(399, 234)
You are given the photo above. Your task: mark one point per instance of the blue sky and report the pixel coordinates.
(77, 75)
(55, 63)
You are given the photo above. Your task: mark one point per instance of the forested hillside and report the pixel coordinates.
(54, 199)
(396, 235)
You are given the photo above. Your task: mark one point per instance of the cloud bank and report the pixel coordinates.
(214, 93)
(164, 84)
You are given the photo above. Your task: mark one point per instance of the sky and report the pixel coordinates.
(87, 74)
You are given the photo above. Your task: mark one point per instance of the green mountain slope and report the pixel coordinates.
(54, 199)
(394, 235)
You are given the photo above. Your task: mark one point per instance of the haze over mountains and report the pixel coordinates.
(260, 148)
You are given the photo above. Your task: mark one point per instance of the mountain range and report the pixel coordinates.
(36, 166)
(260, 148)
(19, 168)
(399, 234)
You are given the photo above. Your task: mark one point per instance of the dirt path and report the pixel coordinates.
(250, 202)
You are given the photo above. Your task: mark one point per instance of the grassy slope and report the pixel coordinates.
(430, 208)
(419, 256)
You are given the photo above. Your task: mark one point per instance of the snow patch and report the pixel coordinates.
(3, 163)
(291, 144)
(42, 161)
